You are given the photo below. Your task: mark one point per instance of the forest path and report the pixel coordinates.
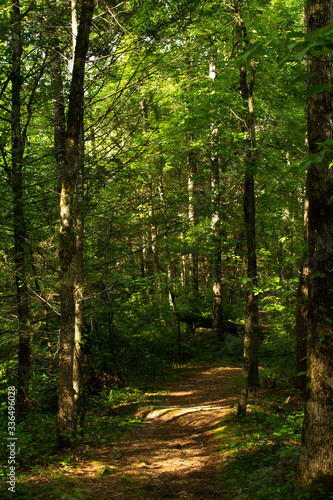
(174, 453)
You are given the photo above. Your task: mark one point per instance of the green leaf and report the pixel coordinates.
(317, 275)
(253, 50)
(317, 89)
(303, 78)
(320, 33)
(301, 54)
(299, 168)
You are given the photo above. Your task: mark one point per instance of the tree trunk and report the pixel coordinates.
(217, 309)
(250, 373)
(65, 421)
(79, 394)
(301, 327)
(218, 330)
(58, 102)
(192, 260)
(252, 314)
(79, 280)
(316, 459)
(302, 313)
(150, 264)
(20, 234)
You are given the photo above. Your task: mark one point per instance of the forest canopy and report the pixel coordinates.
(153, 182)
(154, 185)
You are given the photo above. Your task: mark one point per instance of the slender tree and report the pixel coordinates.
(20, 122)
(302, 311)
(79, 394)
(216, 218)
(58, 101)
(20, 231)
(65, 421)
(191, 183)
(246, 84)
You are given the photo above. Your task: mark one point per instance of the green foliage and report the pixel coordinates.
(44, 391)
(262, 454)
(149, 104)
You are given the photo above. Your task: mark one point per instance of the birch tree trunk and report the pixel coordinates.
(316, 458)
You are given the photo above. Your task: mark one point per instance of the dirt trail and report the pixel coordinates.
(173, 454)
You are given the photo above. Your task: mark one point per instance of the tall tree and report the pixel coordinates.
(316, 459)
(191, 185)
(216, 217)
(302, 311)
(58, 101)
(79, 256)
(20, 121)
(20, 231)
(246, 84)
(65, 421)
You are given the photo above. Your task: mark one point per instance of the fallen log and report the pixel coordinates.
(195, 319)
(199, 321)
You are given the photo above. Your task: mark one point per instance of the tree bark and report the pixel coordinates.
(192, 260)
(20, 232)
(79, 280)
(316, 459)
(217, 309)
(252, 314)
(65, 421)
(149, 250)
(58, 101)
(302, 312)
(250, 372)
(78, 387)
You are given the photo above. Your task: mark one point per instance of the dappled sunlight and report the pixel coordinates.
(182, 393)
(173, 454)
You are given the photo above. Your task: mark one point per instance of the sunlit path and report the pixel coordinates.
(173, 454)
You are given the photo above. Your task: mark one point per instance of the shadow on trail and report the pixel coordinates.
(173, 454)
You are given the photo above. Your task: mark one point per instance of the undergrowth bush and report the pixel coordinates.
(261, 452)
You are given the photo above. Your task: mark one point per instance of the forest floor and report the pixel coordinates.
(174, 452)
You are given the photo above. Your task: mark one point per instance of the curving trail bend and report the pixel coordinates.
(173, 454)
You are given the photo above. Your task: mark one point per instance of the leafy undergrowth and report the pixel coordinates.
(42, 470)
(261, 449)
(110, 415)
